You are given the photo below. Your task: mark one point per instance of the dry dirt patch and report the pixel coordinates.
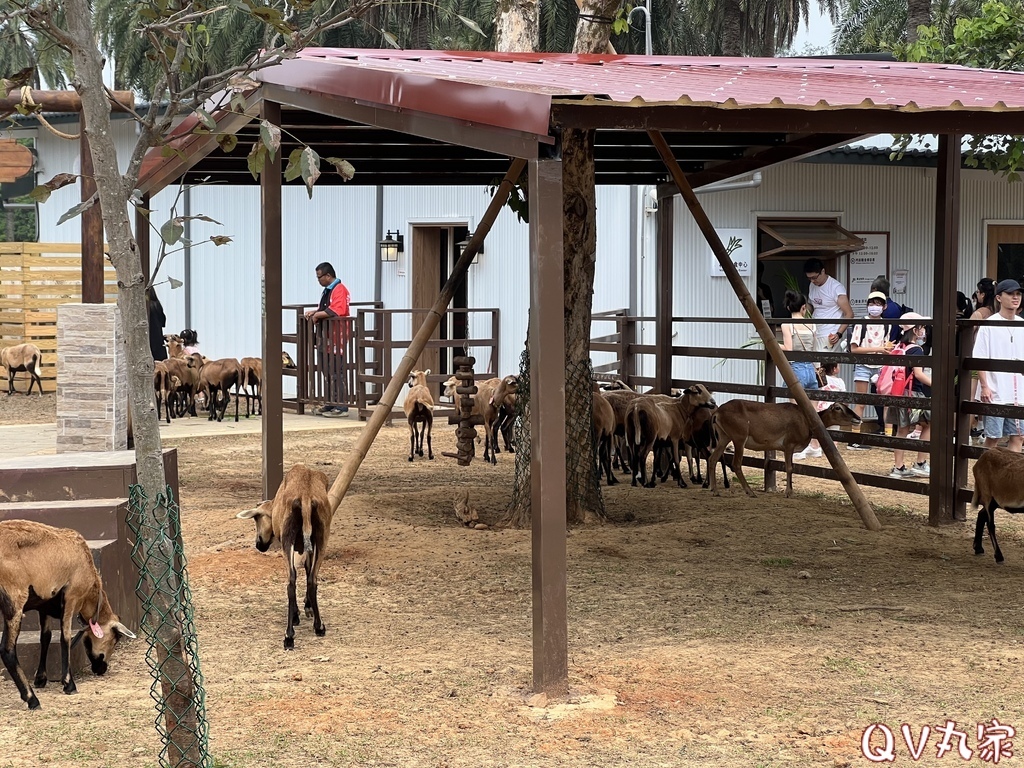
(704, 631)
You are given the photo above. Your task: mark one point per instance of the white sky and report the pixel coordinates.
(818, 33)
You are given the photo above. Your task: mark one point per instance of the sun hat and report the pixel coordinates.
(1007, 286)
(911, 316)
(877, 295)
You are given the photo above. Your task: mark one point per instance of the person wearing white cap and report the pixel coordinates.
(869, 339)
(1002, 342)
(906, 419)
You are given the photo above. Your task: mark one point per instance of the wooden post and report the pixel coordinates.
(270, 249)
(663, 296)
(547, 429)
(942, 487)
(767, 335)
(92, 227)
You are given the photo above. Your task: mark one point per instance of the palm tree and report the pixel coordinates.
(20, 48)
(870, 26)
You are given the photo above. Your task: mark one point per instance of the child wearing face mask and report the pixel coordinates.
(906, 419)
(869, 339)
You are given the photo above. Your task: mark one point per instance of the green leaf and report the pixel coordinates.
(227, 141)
(78, 210)
(270, 135)
(471, 24)
(172, 230)
(344, 168)
(206, 119)
(390, 39)
(292, 171)
(237, 102)
(309, 165)
(42, 193)
(257, 159)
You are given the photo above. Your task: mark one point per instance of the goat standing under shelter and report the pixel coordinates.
(299, 516)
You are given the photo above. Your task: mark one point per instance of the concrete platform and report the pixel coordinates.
(17, 440)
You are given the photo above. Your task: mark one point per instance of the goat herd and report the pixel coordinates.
(51, 571)
(185, 381)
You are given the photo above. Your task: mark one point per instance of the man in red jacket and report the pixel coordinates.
(331, 336)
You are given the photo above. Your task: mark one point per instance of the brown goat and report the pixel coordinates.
(299, 516)
(484, 406)
(419, 410)
(997, 485)
(619, 396)
(23, 357)
(604, 432)
(252, 383)
(768, 427)
(220, 376)
(51, 570)
(163, 388)
(662, 421)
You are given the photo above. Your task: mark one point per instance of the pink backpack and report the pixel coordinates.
(895, 379)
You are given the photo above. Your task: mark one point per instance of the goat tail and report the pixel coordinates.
(636, 426)
(36, 359)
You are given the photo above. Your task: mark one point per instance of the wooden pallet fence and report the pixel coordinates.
(35, 278)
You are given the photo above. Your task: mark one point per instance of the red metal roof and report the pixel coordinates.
(391, 77)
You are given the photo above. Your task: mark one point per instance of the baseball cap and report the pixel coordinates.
(912, 316)
(1006, 286)
(877, 295)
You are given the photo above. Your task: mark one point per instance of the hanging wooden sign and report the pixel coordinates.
(15, 160)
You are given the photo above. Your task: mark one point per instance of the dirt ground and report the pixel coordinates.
(702, 631)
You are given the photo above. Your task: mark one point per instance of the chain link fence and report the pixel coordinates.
(168, 622)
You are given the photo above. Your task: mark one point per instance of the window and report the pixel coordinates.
(788, 238)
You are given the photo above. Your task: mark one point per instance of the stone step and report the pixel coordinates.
(93, 518)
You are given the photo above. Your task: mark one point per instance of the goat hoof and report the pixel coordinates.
(321, 631)
(40, 682)
(70, 688)
(410, 458)
(431, 456)
(33, 702)
(289, 643)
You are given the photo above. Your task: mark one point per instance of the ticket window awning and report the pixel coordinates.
(821, 236)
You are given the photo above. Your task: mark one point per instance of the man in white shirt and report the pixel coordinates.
(828, 298)
(1002, 342)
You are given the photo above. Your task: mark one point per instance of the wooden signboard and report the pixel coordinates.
(15, 161)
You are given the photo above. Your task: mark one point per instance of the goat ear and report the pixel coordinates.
(248, 514)
(121, 630)
(427, 372)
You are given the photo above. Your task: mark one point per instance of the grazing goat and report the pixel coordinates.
(252, 383)
(220, 376)
(662, 421)
(701, 445)
(51, 570)
(419, 410)
(768, 427)
(299, 516)
(997, 485)
(604, 431)
(23, 357)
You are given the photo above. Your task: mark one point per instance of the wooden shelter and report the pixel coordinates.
(434, 117)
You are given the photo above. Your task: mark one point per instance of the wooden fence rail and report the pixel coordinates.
(35, 278)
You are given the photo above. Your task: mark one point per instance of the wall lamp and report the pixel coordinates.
(463, 244)
(391, 246)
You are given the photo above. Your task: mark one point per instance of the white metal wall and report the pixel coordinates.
(338, 226)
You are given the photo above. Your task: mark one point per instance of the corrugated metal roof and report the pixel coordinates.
(702, 81)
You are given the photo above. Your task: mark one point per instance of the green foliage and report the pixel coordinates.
(991, 40)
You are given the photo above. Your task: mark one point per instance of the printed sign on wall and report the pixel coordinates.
(741, 257)
(864, 266)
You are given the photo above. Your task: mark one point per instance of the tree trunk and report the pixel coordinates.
(516, 26)
(594, 29)
(919, 14)
(114, 192)
(579, 211)
(732, 29)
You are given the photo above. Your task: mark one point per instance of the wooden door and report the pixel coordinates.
(1005, 253)
(426, 266)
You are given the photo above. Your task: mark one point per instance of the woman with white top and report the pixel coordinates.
(799, 337)
(869, 339)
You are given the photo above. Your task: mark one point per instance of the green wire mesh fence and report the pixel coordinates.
(168, 622)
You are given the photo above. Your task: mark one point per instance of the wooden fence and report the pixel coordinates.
(34, 279)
